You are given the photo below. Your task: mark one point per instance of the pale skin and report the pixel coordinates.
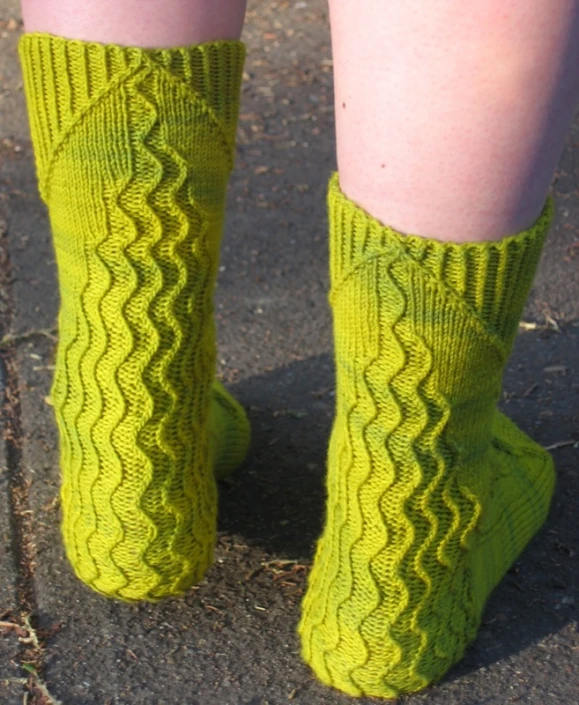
(451, 116)
(142, 23)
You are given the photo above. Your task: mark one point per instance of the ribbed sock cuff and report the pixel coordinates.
(493, 278)
(64, 78)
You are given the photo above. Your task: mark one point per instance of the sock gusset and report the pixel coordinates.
(134, 148)
(432, 493)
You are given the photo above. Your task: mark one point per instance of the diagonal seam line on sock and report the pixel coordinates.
(479, 323)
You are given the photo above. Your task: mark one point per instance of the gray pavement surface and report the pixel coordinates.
(232, 640)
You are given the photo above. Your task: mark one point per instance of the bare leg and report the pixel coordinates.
(450, 116)
(166, 23)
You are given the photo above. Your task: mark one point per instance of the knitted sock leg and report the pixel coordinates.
(432, 493)
(134, 149)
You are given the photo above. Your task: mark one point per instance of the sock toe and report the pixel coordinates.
(230, 431)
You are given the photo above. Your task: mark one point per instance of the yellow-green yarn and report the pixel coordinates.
(134, 148)
(230, 432)
(432, 493)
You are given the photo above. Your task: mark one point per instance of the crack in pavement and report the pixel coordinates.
(31, 653)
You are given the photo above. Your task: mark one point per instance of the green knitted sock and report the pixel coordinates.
(134, 149)
(432, 493)
(230, 432)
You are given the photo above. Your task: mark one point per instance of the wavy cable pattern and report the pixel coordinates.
(402, 572)
(135, 149)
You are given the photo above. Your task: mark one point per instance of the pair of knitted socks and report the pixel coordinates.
(432, 493)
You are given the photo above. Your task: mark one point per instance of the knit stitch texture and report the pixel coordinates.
(134, 148)
(432, 493)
